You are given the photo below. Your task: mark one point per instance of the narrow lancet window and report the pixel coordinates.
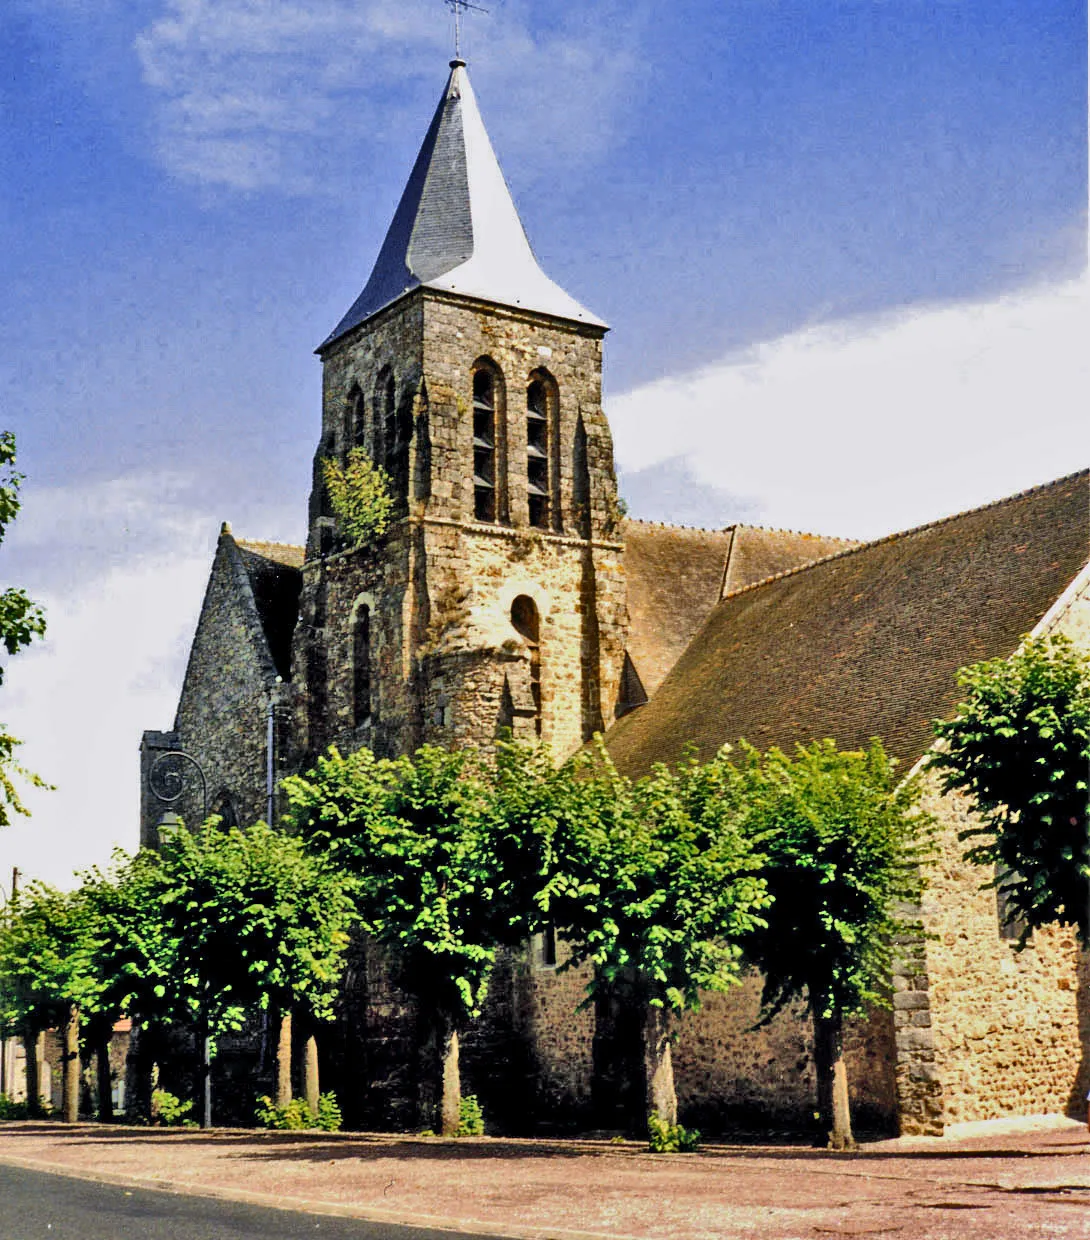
(537, 453)
(361, 666)
(484, 446)
(391, 438)
(357, 419)
(527, 622)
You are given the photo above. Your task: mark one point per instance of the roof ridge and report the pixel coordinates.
(739, 525)
(268, 542)
(915, 529)
(675, 525)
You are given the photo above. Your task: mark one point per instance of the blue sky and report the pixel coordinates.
(843, 243)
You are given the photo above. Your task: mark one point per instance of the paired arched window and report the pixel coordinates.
(485, 472)
(361, 665)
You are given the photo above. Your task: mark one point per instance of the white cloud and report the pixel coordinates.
(865, 427)
(252, 94)
(120, 567)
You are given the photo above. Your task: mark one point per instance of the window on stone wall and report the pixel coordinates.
(361, 666)
(356, 430)
(484, 446)
(537, 453)
(527, 622)
(1010, 925)
(317, 695)
(543, 948)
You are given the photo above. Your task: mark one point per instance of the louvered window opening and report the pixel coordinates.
(484, 447)
(537, 453)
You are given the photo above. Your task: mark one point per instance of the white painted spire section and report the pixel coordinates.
(457, 227)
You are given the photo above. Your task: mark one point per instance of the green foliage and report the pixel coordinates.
(656, 878)
(1019, 746)
(470, 1117)
(664, 1138)
(360, 494)
(844, 841)
(293, 1116)
(296, 1116)
(413, 834)
(218, 922)
(170, 1111)
(9, 1109)
(329, 1117)
(44, 965)
(21, 620)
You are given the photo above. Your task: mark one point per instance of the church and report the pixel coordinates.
(512, 591)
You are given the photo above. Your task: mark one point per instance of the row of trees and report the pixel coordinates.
(804, 866)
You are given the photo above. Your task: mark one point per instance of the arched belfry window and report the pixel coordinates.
(538, 453)
(527, 621)
(361, 665)
(485, 473)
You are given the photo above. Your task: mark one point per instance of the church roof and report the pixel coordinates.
(676, 575)
(866, 642)
(457, 227)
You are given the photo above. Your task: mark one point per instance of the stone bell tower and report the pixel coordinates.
(496, 600)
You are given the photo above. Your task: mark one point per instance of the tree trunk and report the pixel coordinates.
(283, 1059)
(32, 1047)
(450, 1110)
(832, 1081)
(71, 1077)
(658, 1064)
(138, 1072)
(310, 1075)
(105, 1079)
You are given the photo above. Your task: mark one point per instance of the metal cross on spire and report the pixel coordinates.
(458, 7)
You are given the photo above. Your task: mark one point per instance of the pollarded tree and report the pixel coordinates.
(1019, 746)
(20, 622)
(420, 835)
(657, 886)
(46, 979)
(845, 842)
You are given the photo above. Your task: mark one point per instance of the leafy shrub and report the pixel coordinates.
(667, 1138)
(10, 1109)
(171, 1111)
(470, 1117)
(296, 1116)
(329, 1113)
(360, 495)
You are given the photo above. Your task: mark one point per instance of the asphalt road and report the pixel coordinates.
(38, 1206)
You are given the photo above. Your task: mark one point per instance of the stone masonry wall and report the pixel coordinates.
(221, 716)
(984, 1030)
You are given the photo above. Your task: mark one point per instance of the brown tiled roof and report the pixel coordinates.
(868, 642)
(676, 575)
(275, 571)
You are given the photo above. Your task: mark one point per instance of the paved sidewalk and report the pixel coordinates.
(983, 1187)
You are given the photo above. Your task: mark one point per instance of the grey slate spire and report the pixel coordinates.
(457, 228)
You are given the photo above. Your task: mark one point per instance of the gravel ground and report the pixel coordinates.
(988, 1185)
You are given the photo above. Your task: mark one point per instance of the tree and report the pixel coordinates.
(361, 496)
(215, 924)
(422, 839)
(659, 887)
(46, 980)
(845, 842)
(1019, 746)
(20, 622)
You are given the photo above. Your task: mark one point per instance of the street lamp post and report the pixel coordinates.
(167, 785)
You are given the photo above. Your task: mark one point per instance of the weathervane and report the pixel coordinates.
(458, 7)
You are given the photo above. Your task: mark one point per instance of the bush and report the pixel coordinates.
(667, 1138)
(10, 1109)
(329, 1113)
(470, 1117)
(296, 1116)
(170, 1111)
(359, 492)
